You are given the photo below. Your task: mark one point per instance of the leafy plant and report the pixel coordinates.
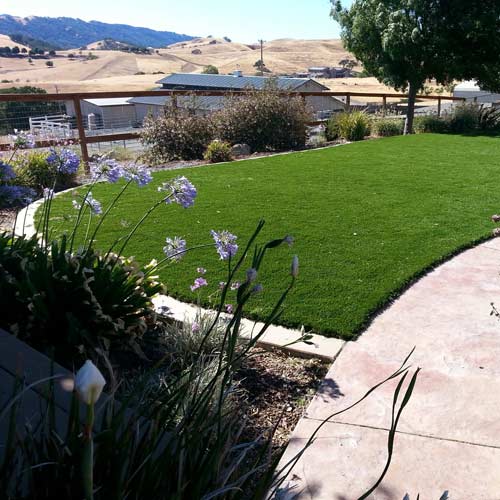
(386, 127)
(73, 303)
(332, 132)
(33, 170)
(178, 134)
(264, 119)
(463, 118)
(218, 151)
(489, 119)
(430, 124)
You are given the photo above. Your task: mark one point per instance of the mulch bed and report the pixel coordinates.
(276, 389)
(7, 218)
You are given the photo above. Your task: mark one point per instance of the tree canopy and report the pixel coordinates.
(210, 70)
(403, 43)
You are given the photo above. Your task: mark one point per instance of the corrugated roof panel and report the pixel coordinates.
(200, 102)
(230, 81)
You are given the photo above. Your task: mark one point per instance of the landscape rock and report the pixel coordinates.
(241, 150)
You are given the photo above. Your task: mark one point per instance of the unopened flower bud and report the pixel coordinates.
(251, 275)
(89, 383)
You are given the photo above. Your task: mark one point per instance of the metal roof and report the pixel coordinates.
(233, 82)
(199, 102)
(115, 101)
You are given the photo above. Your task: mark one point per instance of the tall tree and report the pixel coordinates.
(403, 43)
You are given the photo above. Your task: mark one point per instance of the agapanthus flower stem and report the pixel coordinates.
(80, 213)
(88, 455)
(136, 227)
(106, 212)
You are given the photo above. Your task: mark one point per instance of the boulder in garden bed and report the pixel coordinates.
(241, 150)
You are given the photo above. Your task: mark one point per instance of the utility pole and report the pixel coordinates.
(261, 57)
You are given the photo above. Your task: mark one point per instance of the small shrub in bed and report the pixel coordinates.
(264, 119)
(430, 124)
(464, 118)
(178, 134)
(218, 151)
(39, 170)
(332, 128)
(386, 127)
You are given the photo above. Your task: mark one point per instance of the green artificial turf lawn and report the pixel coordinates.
(368, 218)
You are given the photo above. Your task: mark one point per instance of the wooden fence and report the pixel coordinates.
(83, 139)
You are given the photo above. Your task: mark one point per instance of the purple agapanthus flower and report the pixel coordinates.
(107, 168)
(16, 195)
(235, 285)
(48, 193)
(137, 173)
(6, 172)
(195, 327)
(93, 204)
(198, 283)
(225, 244)
(180, 191)
(66, 161)
(229, 308)
(175, 248)
(201, 270)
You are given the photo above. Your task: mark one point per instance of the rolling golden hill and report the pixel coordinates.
(116, 70)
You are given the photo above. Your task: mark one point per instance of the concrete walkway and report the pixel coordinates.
(449, 434)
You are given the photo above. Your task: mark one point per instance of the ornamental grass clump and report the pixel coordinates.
(387, 127)
(350, 126)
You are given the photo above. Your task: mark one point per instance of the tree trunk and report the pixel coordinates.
(412, 95)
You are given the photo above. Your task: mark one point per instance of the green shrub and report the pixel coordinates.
(218, 151)
(332, 129)
(35, 172)
(352, 126)
(265, 120)
(430, 124)
(463, 118)
(386, 127)
(178, 134)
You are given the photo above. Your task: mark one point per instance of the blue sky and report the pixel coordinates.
(241, 20)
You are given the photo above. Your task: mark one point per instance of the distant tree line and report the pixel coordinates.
(33, 42)
(17, 52)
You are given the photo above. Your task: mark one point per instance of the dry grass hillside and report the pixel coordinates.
(5, 41)
(115, 70)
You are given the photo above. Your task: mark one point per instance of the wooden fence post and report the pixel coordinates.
(384, 105)
(348, 102)
(439, 107)
(81, 133)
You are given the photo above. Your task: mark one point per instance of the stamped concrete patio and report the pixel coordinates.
(449, 434)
